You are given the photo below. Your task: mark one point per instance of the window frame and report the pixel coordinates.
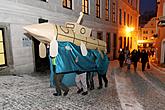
(114, 12)
(107, 7)
(98, 9)
(85, 6)
(124, 18)
(4, 48)
(120, 16)
(66, 5)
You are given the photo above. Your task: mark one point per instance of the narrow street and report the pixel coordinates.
(126, 90)
(144, 90)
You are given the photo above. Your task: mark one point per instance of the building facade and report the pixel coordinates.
(19, 53)
(128, 23)
(146, 38)
(160, 42)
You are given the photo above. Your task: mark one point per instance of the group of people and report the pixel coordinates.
(125, 56)
(84, 80)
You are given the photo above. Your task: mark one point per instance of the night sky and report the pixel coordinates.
(147, 5)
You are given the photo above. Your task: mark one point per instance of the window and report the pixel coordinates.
(124, 18)
(144, 32)
(98, 8)
(107, 10)
(131, 21)
(131, 43)
(44, 0)
(131, 2)
(67, 4)
(41, 20)
(113, 12)
(108, 42)
(128, 43)
(128, 20)
(85, 6)
(120, 16)
(2, 49)
(152, 31)
(100, 35)
(120, 42)
(124, 42)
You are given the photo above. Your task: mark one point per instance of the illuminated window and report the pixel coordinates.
(67, 4)
(98, 8)
(113, 12)
(120, 16)
(85, 6)
(2, 50)
(107, 10)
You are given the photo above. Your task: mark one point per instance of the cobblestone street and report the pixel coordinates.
(32, 92)
(127, 90)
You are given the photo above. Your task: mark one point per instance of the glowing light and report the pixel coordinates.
(129, 29)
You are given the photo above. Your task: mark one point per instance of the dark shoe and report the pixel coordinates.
(79, 91)
(66, 93)
(91, 88)
(100, 87)
(57, 94)
(85, 93)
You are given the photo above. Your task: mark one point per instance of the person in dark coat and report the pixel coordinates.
(121, 58)
(144, 59)
(134, 58)
(58, 81)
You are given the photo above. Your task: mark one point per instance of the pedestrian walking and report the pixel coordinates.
(121, 58)
(58, 81)
(128, 62)
(144, 59)
(134, 58)
(100, 77)
(126, 53)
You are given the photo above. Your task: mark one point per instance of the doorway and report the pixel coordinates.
(41, 64)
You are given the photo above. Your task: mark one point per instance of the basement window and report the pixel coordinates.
(45, 1)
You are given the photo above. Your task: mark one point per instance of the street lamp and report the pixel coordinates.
(129, 29)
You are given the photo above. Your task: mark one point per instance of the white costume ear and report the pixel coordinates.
(83, 49)
(42, 50)
(53, 48)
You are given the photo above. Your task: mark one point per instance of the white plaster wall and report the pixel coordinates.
(19, 13)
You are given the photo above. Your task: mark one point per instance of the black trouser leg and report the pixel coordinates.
(135, 65)
(105, 80)
(91, 81)
(100, 80)
(59, 84)
(143, 66)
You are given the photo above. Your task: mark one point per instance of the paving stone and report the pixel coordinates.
(32, 92)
